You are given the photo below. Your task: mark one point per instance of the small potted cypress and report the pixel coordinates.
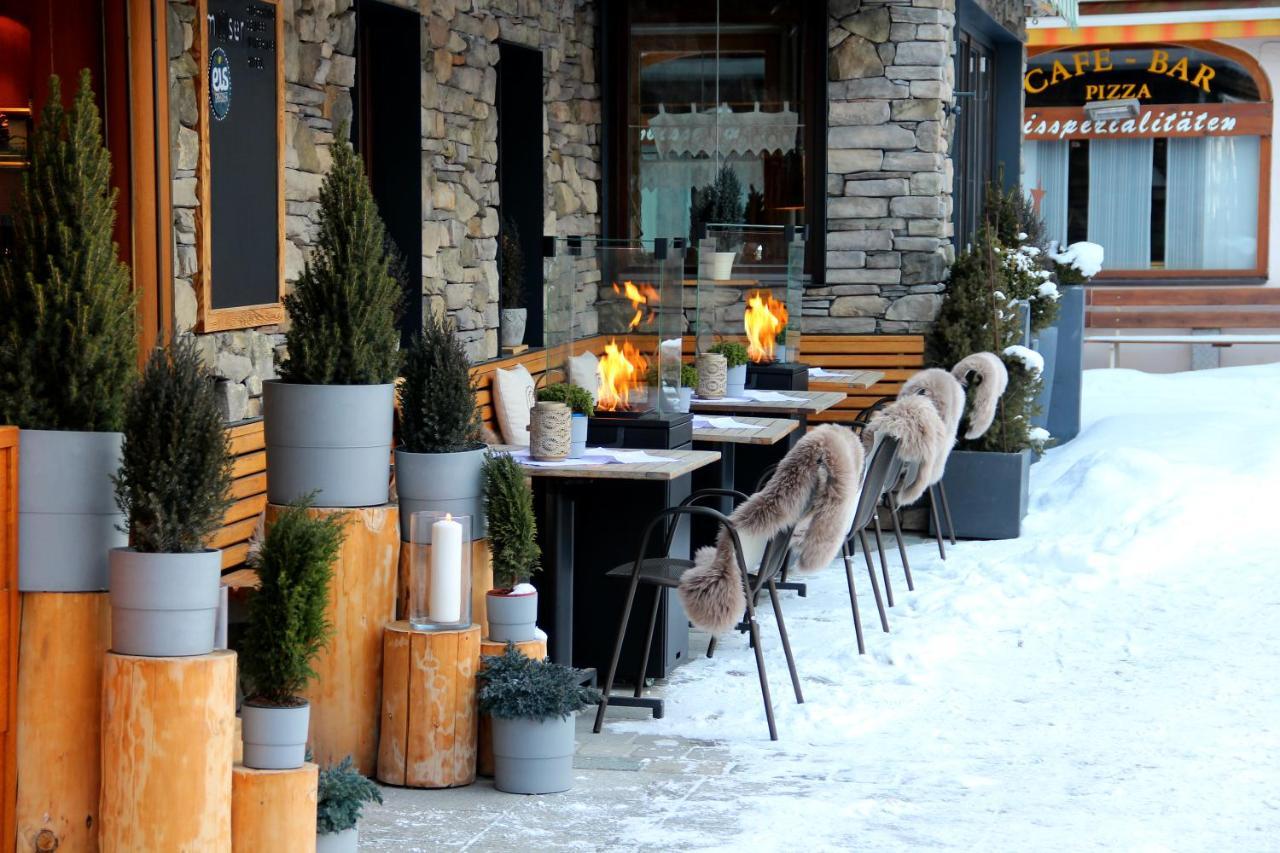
(719, 203)
(341, 796)
(174, 489)
(511, 289)
(512, 605)
(440, 459)
(532, 703)
(287, 627)
(735, 355)
(578, 399)
(328, 418)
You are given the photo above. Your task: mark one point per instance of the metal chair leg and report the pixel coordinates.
(786, 642)
(902, 548)
(875, 584)
(884, 564)
(946, 511)
(648, 641)
(937, 523)
(853, 597)
(764, 679)
(617, 653)
(711, 646)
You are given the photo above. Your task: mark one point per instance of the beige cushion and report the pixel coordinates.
(513, 398)
(584, 371)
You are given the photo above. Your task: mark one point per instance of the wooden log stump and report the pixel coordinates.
(481, 580)
(346, 695)
(168, 730)
(429, 707)
(536, 649)
(273, 809)
(63, 638)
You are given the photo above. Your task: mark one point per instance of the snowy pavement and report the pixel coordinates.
(1108, 681)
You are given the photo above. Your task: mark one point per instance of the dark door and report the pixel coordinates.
(520, 167)
(973, 145)
(388, 135)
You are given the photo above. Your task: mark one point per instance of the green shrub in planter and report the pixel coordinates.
(511, 288)
(174, 488)
(734, 353)
(512, 605)
(341, 797)
(575, 397)
(532, 703)
(287, 628)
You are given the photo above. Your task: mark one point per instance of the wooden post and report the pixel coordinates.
(168, 726)
(429, 707)
(481, 580)
(346, 696)
(536, 649)
(273, 809)
(64, 636)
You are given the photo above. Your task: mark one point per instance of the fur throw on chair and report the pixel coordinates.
(924, 441)
(943, 390)
(992, 378)
(817, 481)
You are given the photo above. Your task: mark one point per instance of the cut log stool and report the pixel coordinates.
(273, 809)
(536, 649)
(429, 707)
(168, 730)
(346, 694)
(481, 580)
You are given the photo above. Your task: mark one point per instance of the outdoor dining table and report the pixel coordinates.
(734, 430)
(848, 378)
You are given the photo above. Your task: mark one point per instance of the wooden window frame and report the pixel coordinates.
(210, 319)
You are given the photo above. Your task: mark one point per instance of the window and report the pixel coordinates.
(1154, 152)
(973, 143)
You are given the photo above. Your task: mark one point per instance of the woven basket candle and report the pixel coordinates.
(550, 431)
(713, 376)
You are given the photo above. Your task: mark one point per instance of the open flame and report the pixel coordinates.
(621, 370)
(765, 317)
(643, 295)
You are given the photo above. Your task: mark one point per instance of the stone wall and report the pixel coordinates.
(889, 176)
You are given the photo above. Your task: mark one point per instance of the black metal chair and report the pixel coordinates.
(883, 462)
(665, 572)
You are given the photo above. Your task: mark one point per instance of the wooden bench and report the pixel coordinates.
(248, 489)
(1182, 307)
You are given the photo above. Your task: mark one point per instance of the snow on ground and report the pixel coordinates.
(1108, 681)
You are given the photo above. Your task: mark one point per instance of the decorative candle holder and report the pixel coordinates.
(550, 431)
(439, 571)
(713, 375)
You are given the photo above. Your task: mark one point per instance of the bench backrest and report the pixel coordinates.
(1182, 307)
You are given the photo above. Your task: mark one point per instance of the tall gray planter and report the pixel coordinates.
(274, 738)
(164, 605)
(1045, 342)
(987, 493)
(334, 440)
(1064, 409)
(533, 756)
(443, 482)
(68, 520)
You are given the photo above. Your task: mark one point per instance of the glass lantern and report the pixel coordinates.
(439, 571)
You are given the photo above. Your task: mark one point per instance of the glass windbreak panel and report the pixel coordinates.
(561, 317)
(1149, 74)
(750, 289)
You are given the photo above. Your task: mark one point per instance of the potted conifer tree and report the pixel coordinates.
(287, 627)
(174, 488)
(328, 418)
(68, 351)
(578, 399)
(512, 605)
(440, 458)
(532, 703)
(719, 203)
(511, 290)
(341, 796)
(735, 354)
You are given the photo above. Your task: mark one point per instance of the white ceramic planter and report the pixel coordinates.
(443, 482)
(347, 841)
(512, 618)
(722, 265)
(513, 323)
(67, 515)
(684, 399)
(577, 436)
(533, 756)
(164, 605)
(736, 383)
(274, 738)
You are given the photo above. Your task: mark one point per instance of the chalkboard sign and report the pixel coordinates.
(243, 181)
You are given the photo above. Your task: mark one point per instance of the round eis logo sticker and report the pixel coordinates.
(219, 83)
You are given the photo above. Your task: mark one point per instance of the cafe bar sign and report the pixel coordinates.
(1156, 120)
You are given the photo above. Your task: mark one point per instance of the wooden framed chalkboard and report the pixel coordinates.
(240, 220)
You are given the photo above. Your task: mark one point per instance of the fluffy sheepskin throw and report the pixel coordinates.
(817, 482)
(923, 439)
(991, 378)
(940, 388)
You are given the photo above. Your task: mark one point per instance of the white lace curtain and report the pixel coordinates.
(721, 132)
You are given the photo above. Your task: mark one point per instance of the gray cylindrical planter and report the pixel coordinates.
(533, 756)
(347, 841)
(164, 605)
(513, 323)
(512, 618)
(274, 738)
(987, 493)
(67, 515)
(441, 482)
(331, 439)
(737, 383)
(1064, 409)
(577, 436)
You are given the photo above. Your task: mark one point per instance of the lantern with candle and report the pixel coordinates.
(440, 573)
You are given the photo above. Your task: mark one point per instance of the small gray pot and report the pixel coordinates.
(347, 841)
(512, 618)
(274, 738)
(443, 482)
(513, 323)
(533, 756)
(577, 436)
(164, 605)
(67, 515)
(736, 386)
(331, 439)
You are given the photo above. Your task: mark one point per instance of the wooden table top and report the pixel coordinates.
(685, 462)
(848, 378)
(811, 403)
(774, 430)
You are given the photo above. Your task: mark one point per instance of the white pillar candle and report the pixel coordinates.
(445, 603)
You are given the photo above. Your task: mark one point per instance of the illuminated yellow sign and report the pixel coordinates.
(1099, 61)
